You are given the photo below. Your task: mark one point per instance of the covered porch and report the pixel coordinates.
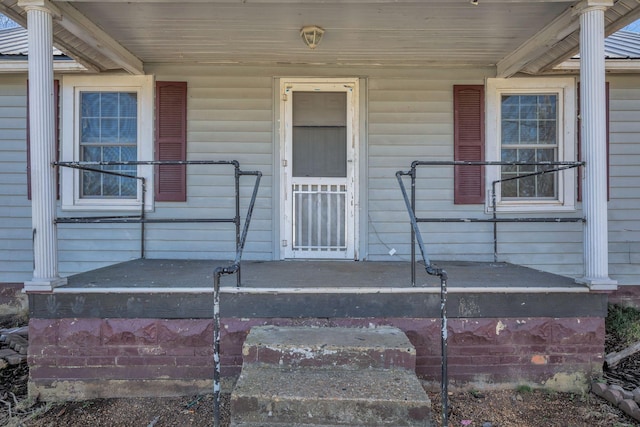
(507, 37)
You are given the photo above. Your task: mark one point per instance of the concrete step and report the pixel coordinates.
(382, 347)
(268, 395)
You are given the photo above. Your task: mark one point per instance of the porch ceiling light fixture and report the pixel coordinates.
(474, 2)
(311, 35)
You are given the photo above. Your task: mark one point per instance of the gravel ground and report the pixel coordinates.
(506, 408)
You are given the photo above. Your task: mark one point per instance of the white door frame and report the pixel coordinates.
(351, 87)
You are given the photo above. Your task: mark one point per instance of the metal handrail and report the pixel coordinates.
(553, 167)
(234, 267)
(141, 218)
(433, 270)
(241, 237)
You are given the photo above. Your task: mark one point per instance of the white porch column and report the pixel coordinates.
(594, 151)
(42, 134)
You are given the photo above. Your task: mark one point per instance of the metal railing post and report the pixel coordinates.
(444, 375)
(237, 217)
(216, 346)
(142, 216)
(433, 271)
(413, 233)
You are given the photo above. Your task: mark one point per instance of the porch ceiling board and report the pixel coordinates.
(515, 35)
(405, 32)
(383, 33)
(80, 27)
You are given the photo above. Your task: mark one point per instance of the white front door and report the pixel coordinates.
(318, 169)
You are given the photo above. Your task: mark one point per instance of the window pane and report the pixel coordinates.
(528, 132)
(526, 156)
(128, 105)
(109, 130)
(528, 100)
(90, 104)
(128, 154)
(89, 130)
(110, 186)
(109, 104)
(547, 107)
(548, 155)
(128, 188)
(91, 154)
(527, 187)
(547, 132)
(128, 130)
(510, 112)
(509, 155)
(546, 185)
(529, 111)
(510, 132)
(510, 188)
(111, 154)
(91, 183)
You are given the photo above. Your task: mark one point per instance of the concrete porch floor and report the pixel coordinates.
(164, 274)
(156, 288)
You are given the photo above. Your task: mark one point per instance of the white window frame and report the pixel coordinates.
(70, 147)
(564, 88)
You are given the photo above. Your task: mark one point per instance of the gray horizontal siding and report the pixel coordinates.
(624, 159)
(16, 255)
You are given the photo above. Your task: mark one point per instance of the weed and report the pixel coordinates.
(623, 323)
(524, 388)
(476, 393)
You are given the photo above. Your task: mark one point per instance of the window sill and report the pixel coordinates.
(121, 206)
(533, 207)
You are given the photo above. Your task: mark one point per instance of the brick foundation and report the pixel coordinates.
(88, 358)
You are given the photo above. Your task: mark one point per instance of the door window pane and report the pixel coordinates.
(319, 134)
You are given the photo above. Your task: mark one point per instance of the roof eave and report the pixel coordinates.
(560, 40)
(79, 38)
(611, 66)
(22, 66)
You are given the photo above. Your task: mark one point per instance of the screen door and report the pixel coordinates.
(319, 173)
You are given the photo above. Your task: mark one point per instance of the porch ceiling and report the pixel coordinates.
(515, 35)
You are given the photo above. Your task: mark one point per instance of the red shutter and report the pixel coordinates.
(171, 141)
(56, 90)
(468, 142)
(579, 148)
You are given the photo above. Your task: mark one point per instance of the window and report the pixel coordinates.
(108, 133)
(531, 120)
(107, 119)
